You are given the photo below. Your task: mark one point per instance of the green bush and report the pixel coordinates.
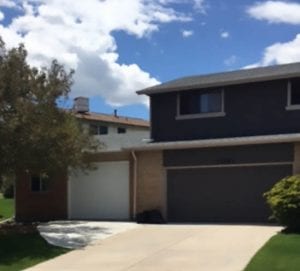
(7, 188)
(284, 200)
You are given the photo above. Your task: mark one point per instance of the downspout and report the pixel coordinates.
(134, 183)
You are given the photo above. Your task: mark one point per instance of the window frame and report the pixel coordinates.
(205, 114)
(289, 105)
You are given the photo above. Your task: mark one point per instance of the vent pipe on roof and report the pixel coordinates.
(81, 105)
(116, 113)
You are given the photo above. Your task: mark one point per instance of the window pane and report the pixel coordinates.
(35, 183)
(44, 184)
(189, 103)
(103, 130)
(121, 130)
(295, 92)
(211, 102)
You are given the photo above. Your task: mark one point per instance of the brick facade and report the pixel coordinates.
(44, 205)
(151, 182)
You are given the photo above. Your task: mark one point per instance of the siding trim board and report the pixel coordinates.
(230, 165)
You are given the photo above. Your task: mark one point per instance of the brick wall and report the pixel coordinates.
(296, 165)
(151, 184)
(41, 206)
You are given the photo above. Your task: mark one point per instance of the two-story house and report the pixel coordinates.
(219, 142)
(101, 194)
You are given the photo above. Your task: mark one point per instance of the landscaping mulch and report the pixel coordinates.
(12, 227)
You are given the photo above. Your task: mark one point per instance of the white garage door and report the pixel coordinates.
(102, 193)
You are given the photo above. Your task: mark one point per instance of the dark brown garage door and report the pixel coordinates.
(228, 194)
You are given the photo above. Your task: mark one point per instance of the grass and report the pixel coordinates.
(20, 251)
(6, 208)
(280, 253)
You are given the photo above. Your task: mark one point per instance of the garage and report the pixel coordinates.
(224, 184)
(102, 194)
(232, 194)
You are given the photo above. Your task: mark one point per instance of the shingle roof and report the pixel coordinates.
(227, 78)
(113, 119)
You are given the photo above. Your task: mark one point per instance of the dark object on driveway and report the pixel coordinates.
(151, 217)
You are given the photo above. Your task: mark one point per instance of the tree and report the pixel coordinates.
(35, 134)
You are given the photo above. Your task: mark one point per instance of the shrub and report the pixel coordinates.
(7, 188)
(284, 200)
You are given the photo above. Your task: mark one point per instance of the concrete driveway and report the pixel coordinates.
(168, 247)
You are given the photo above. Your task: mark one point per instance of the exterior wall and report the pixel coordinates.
(252, 154)
(251, 109)
(151, 182)
(113, 141)
(41, 206)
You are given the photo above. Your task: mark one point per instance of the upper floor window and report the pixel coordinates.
(196, 104)
(121, 130)
(293, 94)
(98, 129)
(39, 183)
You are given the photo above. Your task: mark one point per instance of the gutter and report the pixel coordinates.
(221, 142)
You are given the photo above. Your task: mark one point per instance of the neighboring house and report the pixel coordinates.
(104, 193)
(219, 142)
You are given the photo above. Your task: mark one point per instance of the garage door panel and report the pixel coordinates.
(102, 193)
(232, 194)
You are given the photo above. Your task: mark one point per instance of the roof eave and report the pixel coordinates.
(157, 89)
(222, 142)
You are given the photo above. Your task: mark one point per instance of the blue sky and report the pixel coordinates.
(117, 47)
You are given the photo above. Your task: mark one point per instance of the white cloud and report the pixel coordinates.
(280, 53)
(224, 35)
(79, 35)
(230, 60)
(187, 33)
(276, 12)
(8, 3)
(200, 5)
(1, 16)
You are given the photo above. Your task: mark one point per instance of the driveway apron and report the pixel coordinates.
(168, 247)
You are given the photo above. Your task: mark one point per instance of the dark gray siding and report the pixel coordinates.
(221, 194)
(230, 155)
(251, 109)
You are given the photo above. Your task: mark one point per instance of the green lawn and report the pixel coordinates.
(280, 253)
(20, 251)
(6, 208)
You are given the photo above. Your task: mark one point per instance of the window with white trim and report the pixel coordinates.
(201, 103)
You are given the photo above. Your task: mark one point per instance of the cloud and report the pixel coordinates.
(1, 16)
(187, 33)
(276, 12)
(80, 35)
(200, 5)
(230, 60)
(280, 53)
(224, 35)
(8, 3)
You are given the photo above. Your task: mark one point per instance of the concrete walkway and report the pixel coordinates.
(168, 247)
